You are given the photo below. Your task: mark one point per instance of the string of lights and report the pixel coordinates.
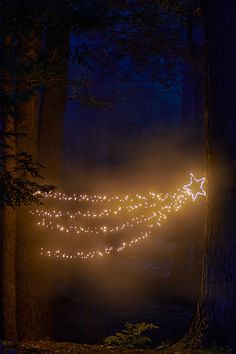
(99, 230)
(86, 198)
(95, 253)
(102, 213)
(175, 202)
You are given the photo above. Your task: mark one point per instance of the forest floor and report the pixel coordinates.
(50, 347)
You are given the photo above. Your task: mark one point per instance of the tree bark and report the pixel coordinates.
(51, 130)
(8, 215)
(53, 105)
(8, 252)
(192, 92)
(215, 320)
(28, 316)
(29, 279)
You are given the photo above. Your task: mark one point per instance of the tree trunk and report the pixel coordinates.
(29, 279)
(8, 215)
(215, 320)
(53, 105)
(28, 317)
(192, 92)
(51, 130)
(8, 252)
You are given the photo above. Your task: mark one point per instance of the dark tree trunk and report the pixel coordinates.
(29, 279)
(28, 286)
(192, 92)
(8, 252)
(8, 216)
(53, 104)
(215, 320)
(51, 131)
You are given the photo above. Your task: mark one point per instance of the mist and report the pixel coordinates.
(137, 146)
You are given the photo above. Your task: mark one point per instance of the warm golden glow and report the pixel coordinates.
(153, 209)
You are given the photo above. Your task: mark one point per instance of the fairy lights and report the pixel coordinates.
(95, 253)
(84, 197)
(159, 211)
(102, 213)
(152, 210)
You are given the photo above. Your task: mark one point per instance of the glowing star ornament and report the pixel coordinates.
(195, 187)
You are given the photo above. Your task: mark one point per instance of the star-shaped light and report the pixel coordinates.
(195, 187)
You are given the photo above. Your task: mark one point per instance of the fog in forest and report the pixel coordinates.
(117, 176)
(138, 145)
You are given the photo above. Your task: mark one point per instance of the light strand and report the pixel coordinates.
(175, 203)
(104, 229)
(108, 250)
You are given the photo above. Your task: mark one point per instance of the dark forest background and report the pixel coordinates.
(114, 97)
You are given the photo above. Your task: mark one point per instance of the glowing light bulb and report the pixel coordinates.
(163, 206)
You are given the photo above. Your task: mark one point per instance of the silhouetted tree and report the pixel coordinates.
(51, 126)
(19, 174)
(215, 319)
(27, 64)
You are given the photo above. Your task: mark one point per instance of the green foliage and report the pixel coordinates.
(131, 336)
(19, 185)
